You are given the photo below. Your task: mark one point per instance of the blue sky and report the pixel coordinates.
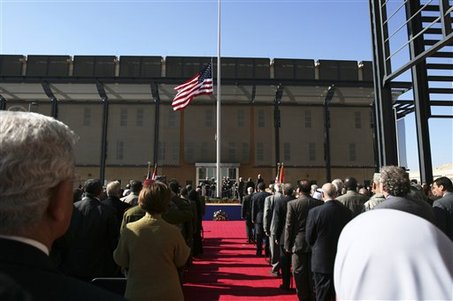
(320, 29)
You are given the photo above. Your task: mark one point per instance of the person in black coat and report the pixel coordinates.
(257, 218)
(92, 237)
(295, 243)
(246, 214)
(36, 203)
(324, 225)
(113, 200)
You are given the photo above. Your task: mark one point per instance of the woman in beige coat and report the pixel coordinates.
(152, 250)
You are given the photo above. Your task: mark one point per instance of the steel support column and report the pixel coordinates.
(420, 90)
(385, 121)
(2, 103)
(53, 99)
(105, 117)
(277, 121)
(329, 95)
(156, 97)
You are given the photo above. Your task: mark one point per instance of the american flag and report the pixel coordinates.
(200, 84)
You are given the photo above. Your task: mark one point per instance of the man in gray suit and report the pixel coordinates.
(396, 187)
(443, 207)
(352, 199)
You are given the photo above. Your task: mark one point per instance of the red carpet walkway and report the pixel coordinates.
(229, 269)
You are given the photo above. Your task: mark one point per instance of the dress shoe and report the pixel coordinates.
(284, 287)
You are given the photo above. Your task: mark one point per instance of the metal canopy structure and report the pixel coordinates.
(411, 39)
(151, 80)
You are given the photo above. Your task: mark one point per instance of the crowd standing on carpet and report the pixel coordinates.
(338, 245)
(337, 240)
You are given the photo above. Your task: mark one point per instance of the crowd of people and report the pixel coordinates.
(339, 240)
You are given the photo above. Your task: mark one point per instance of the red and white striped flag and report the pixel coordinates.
(200, 84)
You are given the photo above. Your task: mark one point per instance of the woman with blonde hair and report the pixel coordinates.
(152, 250)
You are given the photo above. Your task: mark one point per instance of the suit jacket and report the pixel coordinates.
(246, 209)
(119, 206)
(443, 213)
(324, 225)
(279, 218)
(354, 201)
(296, 220)
(413, 206)
(152, 250)
(258, 206)
(33, 270)
(268, 212)
(93, 235)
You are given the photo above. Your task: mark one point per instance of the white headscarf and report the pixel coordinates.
(388, 254)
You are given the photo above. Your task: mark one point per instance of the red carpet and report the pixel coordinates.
(229, 269)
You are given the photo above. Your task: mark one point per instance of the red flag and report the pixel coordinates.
(150, 177)
(281, 175)
(200, 84)
(277, 177)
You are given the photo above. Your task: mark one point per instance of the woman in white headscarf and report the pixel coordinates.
(389, 254)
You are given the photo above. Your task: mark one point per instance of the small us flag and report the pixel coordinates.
(200, 84)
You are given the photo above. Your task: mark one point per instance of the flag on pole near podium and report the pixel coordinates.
(200, 84)
(150, 176)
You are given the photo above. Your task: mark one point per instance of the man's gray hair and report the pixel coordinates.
(395, 180)
(114, 188)
(36, 154)
(376, 177)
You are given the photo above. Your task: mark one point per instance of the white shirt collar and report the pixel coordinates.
(28, 241)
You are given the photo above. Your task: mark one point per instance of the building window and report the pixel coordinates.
(245, 151)
(209, 119)
(352, 152)
(189, 152)
(119, 150)
(261, 119)
(232, 151)
(171, 120)
(123, 117)
(311, 151)
(259, 152)
(241, 118)
(140, 115)
(204, 150)
(308, 119)
(286, 151)
(87, 116)
(358, 120)
(161, 151)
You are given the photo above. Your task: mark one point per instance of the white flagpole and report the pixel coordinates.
(218, 145)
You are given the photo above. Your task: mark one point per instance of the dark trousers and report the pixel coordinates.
(301, 262)
(324, 287)
(261, 239)
(249, 230)
(285, 266)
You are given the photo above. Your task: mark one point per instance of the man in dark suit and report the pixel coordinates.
(443, 207)
(257, 218)
(352, 199)
(113, 200)
(278, 232)
(295, 242)
(36, 203)
(93, 236)
(246, 214)
(324, 225)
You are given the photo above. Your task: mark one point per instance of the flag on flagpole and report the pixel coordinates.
(277, 177)
(281, 175)
(150, 177)
(200, 84)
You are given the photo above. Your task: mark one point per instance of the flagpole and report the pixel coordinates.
(218, 144)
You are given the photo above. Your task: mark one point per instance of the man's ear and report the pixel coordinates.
(60, 201)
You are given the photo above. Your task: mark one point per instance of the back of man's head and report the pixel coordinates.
(339, 185)
(114, 189)
(93, 187)
(395, 180)
(174, 186)
(304, 187)
(261, 186)
(350, 183)
(136, 186)
(329, 190)
(36, 155)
